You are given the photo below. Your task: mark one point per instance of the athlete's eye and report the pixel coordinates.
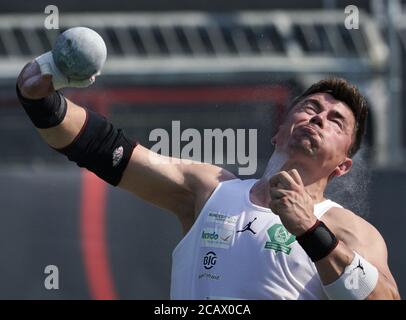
(339, 123)
(309, 109)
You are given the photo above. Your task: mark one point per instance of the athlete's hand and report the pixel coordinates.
(33, 84)
(48, 66)
(291, 202)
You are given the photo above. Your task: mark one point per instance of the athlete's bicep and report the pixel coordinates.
(156, 179)
(174, 184)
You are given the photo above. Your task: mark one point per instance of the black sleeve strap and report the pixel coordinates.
(318, 241)
(101, 148)
(44, 113)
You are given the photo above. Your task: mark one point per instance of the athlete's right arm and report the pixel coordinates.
(180, 187)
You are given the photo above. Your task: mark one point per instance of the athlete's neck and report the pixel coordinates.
(275, 164)
(279, 161)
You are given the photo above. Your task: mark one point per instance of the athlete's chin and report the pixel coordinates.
(305, 147)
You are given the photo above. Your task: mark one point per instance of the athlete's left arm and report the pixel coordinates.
(359, 245)
(356, 234)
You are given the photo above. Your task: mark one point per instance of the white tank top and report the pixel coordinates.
(238, 250)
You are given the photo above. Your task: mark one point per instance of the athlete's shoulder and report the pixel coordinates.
(203, 179)
(206, 176)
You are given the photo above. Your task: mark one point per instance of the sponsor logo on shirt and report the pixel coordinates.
(209, 260)
(220, 218)
(247, 227)
(209, 276)
(280, 239)
(217, 237)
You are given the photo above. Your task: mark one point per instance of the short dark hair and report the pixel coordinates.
(348, 93)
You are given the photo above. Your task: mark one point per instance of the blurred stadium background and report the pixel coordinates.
(222, 64)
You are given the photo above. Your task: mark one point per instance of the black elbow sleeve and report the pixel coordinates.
(100, 148)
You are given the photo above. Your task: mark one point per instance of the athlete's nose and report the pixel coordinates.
(317, 120)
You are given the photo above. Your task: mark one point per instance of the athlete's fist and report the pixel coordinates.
(291, 202)
(33, 84)
(75, 60)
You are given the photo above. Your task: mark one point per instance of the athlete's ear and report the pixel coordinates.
(343, 168)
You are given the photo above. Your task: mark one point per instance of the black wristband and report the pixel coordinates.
(318, 241)
(44, 113)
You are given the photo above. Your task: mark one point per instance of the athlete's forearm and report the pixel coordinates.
(62, 135)
(36, 91)
(332, 267)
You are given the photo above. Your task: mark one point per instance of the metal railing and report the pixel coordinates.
(193, 42)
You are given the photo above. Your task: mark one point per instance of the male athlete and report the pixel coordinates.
(273, 238)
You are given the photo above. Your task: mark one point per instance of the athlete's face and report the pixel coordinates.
(319, 130)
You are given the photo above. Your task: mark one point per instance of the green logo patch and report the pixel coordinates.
(280, 239)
